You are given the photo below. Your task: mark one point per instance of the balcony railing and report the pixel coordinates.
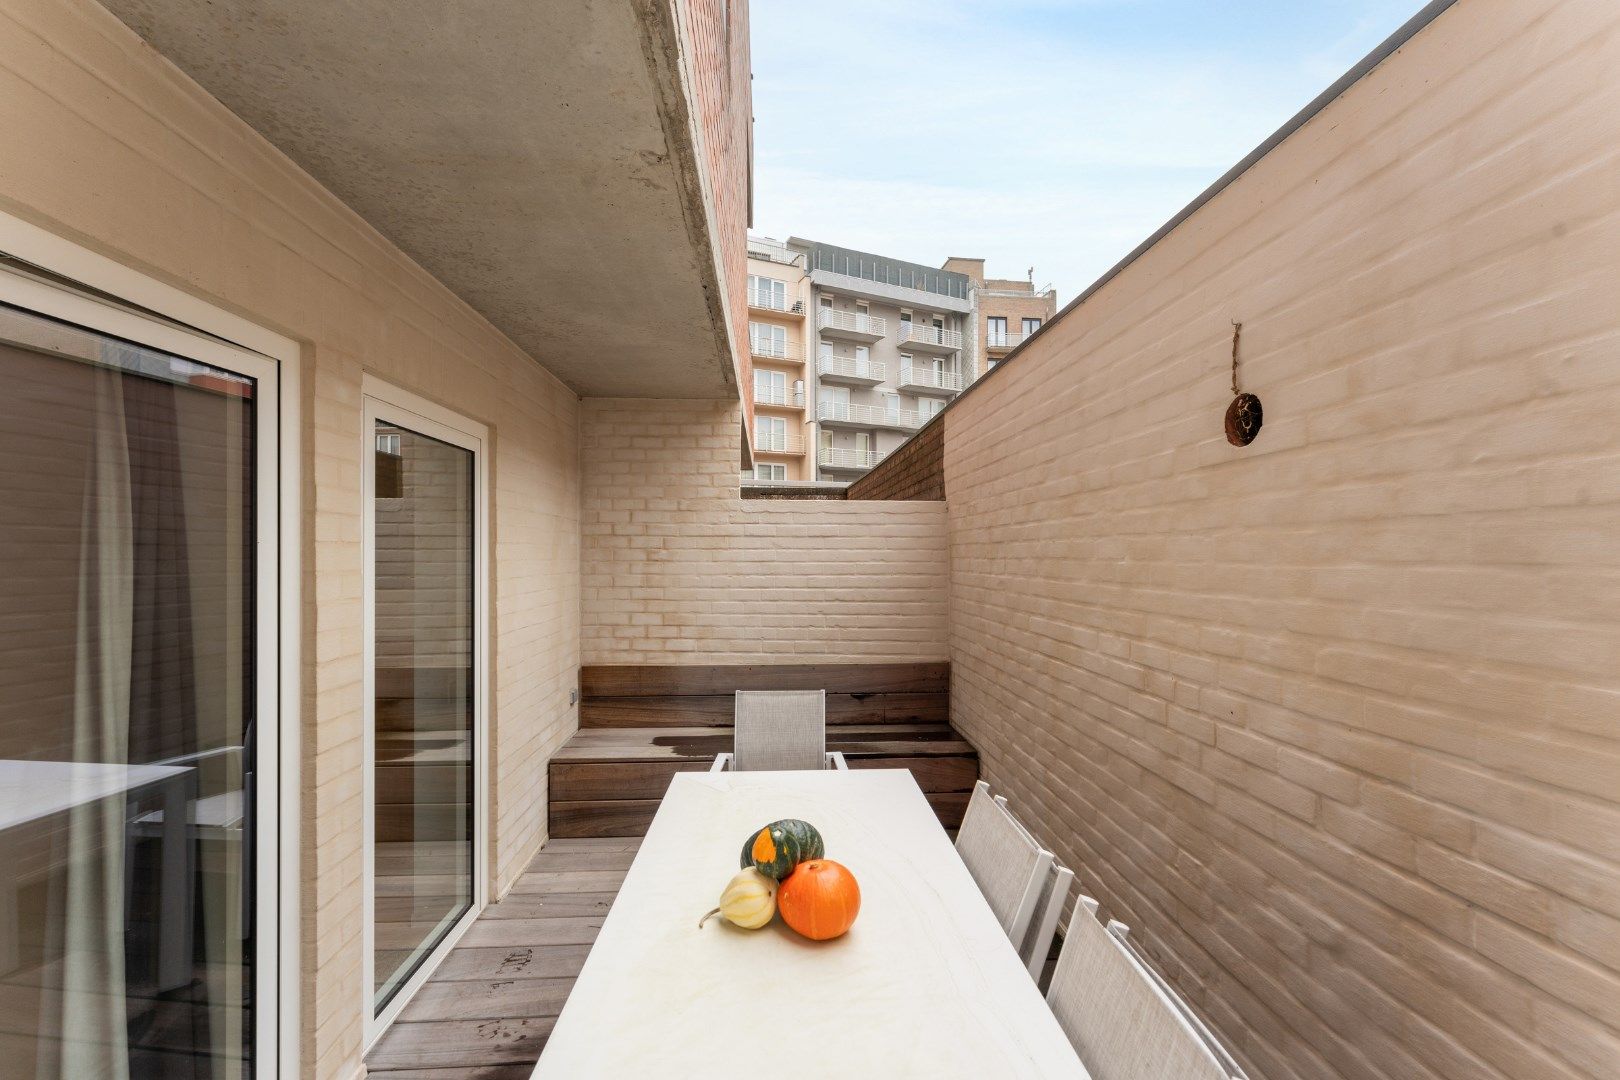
(771, 349)
(916, 334)
(867, 415)
(844, 367)
(851, 322)
(926, 378)
(773, 443)
(779, 395)
(832, 457)
(1005, 341)
(769, 300)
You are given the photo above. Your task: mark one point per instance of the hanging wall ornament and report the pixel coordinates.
(1243, 416)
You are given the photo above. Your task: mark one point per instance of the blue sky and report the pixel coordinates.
(1052, 133)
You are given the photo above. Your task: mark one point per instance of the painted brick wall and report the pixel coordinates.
(915, 471)
(678, 568)
(1333, 721)
(148, 168)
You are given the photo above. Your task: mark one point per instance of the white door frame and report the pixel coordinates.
(384, 401)
(273, 361)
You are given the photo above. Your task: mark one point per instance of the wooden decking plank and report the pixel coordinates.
(560, 881)
(511, 962)
(545, 905)
(493, 999)
(506, 933)
(553, 862)
(462, 1043)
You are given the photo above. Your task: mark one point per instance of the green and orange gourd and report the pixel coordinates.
(782, 845)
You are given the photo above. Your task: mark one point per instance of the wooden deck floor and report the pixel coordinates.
(487, 1011)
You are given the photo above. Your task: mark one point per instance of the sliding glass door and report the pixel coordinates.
(424, 653)
(137, 684)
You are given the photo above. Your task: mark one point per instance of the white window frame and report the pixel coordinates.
(215, 336)
(777, 471)
(389, 403)
(1026, 329)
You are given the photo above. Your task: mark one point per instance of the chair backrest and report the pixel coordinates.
(1123, 1021)
(1009, 867)
(1049, 905)
(780, 729)
(1043, 921)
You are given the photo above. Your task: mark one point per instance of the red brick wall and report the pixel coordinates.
(915, 471)
(715, 33)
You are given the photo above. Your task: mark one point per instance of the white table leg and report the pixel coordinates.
(174, 915)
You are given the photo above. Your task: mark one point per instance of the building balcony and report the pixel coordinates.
(768, 349)
(837, 459)
(999, 345)
(848, 371)
(771, 443)
(851, 326)
(791, 397)
(836, 414)
(930, 339)
(768, 300)
(916, 379)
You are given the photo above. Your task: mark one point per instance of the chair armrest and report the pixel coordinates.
(835, 760)
(722, 762)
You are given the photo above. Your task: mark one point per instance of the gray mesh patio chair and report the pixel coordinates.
(1123, 1019)
(1048, 906)
(1009, 867)
(779, 729)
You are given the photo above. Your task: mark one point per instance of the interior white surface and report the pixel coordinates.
(925, 983)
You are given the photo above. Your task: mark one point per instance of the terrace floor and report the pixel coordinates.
(488, 1009)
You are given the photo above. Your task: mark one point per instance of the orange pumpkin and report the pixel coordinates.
(820, 899)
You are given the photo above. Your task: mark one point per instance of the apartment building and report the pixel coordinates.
(1009, 310)
(779, 302)
(889, 338)
(853, 352)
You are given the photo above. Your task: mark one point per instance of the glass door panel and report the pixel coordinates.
(424, 701)
(128, 698)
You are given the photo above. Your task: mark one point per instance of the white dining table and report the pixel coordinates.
(925, 984)
(32, 791)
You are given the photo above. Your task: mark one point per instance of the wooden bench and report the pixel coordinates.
(640, 725)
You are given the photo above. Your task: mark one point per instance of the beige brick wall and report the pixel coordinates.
(678, 568)
(144, 166)
(1333, 721)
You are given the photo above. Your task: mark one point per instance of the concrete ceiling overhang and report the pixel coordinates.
(536, 157)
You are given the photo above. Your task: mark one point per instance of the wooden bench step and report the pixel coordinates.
(651, 680)
(642, 724)
(599, 781)
(716, 710)
(631, 817)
